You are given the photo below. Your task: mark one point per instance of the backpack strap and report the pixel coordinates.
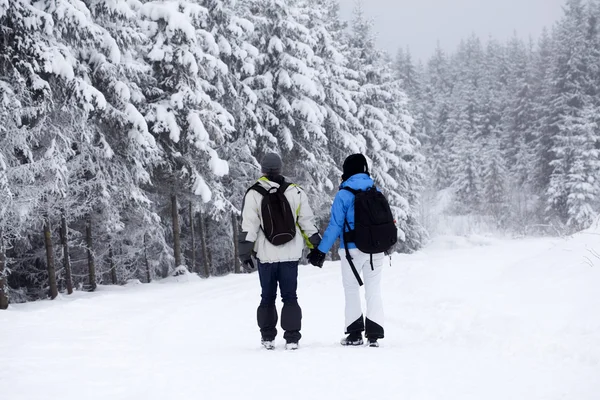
(282, 188)
(353, 267)
(257, 187)
(349, 238)
(353, 191)
(348, 234)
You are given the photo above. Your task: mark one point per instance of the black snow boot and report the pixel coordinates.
(373, 343)
(353, 339)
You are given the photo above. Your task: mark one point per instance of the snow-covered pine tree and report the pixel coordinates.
(228, 24)
(407, 73)
(542, 91)
(130, 151)
(467, 126)
(50, 40)
(15, 104)
(412, 78)
(494, 181)
(491, 92)
(342, 128)
(387, 124)
(573, 189)
(491, 97)
(466, 164)
(111, 152)
(519, 125)
(233, 34)
(290, 92)
(518, 115)
(184, 113)
(437, 90)
(24, 97)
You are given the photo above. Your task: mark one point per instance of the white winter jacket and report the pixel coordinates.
(252, 220)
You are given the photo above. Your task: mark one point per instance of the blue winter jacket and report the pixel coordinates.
(343, 209)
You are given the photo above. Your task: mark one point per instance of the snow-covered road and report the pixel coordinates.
(467, 319)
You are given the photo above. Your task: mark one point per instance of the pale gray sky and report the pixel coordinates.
(421, 23)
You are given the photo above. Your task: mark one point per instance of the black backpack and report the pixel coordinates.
(374, 226)
(278, 222)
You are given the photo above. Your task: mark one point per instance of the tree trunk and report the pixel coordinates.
(176, 233)
(3, 279)
(193, 237)
(91, 263)
(113, 269)
(234, 228)
(64, 241)
(205, 258)
(148, 276)
(50, 261)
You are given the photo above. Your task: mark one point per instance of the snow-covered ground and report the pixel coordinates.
(473, 318)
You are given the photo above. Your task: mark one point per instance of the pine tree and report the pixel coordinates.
(227, 21)
(519, 115)
(387, 123)
(436, 98)
(574, 186)
(466, 166)
(184, 113)
(407, 73)
(542, 91)
(573, 189)
(340, 82)
(51, 88)
(494, 181)
(290, 93)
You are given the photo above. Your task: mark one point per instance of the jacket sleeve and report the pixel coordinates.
(336, 223)
(250, 217)
(306, 220)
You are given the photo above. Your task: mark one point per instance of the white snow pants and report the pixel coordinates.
(371, 276)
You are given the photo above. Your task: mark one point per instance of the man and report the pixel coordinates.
(356, 179)
(276, 223)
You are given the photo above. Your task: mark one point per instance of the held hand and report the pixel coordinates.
(316, 257)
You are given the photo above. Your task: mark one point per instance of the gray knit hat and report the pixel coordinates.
(271, 164)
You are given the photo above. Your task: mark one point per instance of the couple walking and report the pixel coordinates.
(277, 222)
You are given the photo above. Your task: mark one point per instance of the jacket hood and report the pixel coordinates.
(358, 182)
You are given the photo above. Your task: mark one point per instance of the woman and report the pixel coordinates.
(355, 178)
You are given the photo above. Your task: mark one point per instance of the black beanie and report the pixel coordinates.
(355, 164)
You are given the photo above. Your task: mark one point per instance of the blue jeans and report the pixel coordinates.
(284, 274)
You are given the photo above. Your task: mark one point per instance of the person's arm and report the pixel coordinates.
(305, 219)
(250, 228)
(336, 223)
